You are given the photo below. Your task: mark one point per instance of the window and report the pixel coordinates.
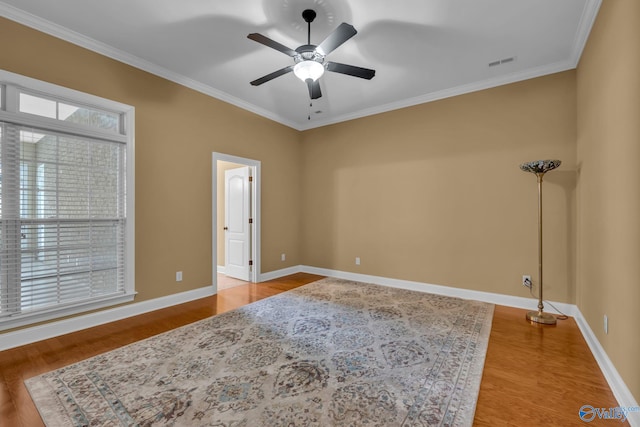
(66, 201)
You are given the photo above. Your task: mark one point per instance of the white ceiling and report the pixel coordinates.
(422, 50)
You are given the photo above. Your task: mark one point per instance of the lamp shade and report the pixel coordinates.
(540, 166)
(308, 69)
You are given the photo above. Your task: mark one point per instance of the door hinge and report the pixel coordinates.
(250, 220)
(250, 179)
(250, 263)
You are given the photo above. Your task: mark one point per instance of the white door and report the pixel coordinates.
(237, 239)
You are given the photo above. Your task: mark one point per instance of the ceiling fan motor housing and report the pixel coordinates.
(307, 52)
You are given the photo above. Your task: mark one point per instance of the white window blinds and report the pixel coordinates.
(63, 206)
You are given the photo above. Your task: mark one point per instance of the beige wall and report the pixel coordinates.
(431, 193)
(177, 129)
(434, 194)
(608, 195)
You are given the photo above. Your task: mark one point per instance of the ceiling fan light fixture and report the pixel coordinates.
(309, 59)
(308, 69)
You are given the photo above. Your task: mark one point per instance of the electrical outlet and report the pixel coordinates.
(526, 281)
(357, 260)
(606, 324)
(178, 276)
(283, 257)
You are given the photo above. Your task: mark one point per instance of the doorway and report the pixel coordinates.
(232, 251)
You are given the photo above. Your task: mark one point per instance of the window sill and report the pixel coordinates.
(59, 312)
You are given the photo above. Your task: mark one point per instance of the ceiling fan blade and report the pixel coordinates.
(340, 35)
(314, 89)
(272, 76)
(272, 44)
(352, 70)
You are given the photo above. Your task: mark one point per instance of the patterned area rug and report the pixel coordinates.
(330, 353)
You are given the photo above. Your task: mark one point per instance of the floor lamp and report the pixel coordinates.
(540, 167)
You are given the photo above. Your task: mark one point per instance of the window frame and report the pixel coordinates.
(11, 85)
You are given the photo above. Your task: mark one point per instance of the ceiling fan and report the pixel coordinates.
(309, 60)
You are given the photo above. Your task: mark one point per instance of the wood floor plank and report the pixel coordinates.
(538, 375)
(532, 376)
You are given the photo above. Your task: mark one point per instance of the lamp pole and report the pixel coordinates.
(539, 168)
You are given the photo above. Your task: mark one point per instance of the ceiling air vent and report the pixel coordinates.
(502, 61)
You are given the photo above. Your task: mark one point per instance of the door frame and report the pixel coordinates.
(254, 165)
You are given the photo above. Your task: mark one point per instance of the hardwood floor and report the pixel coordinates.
(539, 375)
(532, 375)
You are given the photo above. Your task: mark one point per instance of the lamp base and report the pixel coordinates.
(540, 317)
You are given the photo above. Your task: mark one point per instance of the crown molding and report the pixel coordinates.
(104, 49)
(587, 20)
(589, 14)
(527, 74)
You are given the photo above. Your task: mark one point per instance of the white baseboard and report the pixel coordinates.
(50, 330)
(618, 387)
(221, 269)
(279, 273)
(61, 327)
(616, 383)
(501, 299)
